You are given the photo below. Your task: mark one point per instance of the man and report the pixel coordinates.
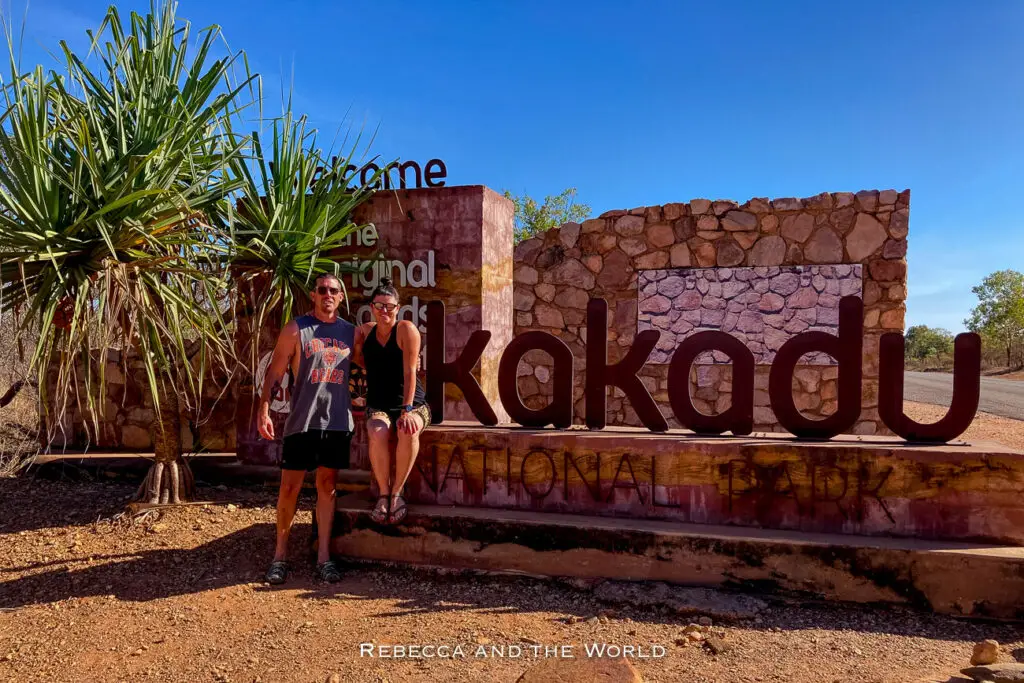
(317, 347)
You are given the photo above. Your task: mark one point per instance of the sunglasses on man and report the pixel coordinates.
(323, 290)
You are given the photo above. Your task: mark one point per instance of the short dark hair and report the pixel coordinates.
(386, 287)
(325, 276)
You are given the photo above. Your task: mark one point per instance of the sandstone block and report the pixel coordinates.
(673, 211)
(871, 318)
(867, 200)
(785, 283)
(729, 253)
(804, 298)
(684, 228)
(824, 247)
(769, 223)
(737, 221)
(672, 286)
(656, 259)
(629, 226)
(679, 256)
(522, 299)
(821, 201)
(724, 206)
(568, 234)
(572, 272)
(892, 319)
(607, 242)
(758, 205)
(798, 227)
(699, 206)
(548, 316)
(842, 199)
(594, 225)
(526, 275)
(527, 250)
(660, 235)
(771, 303)
(746, 239)
(571, 297)
(618, 270)
(707, 223)
(633, 245)
(523, 320)
(787, 204)
(705, 255)
(593, 262)
(842, 219)
(899, 223)
(867, 236)
(894, 249)
(885, 270)
(545, 292)
(689, 300)
(770, 250)
(887, 197)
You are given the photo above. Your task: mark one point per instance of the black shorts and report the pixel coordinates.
(316, 448)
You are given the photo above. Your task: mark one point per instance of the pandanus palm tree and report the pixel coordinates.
(115, 171)
(294, 215)
(131, 216)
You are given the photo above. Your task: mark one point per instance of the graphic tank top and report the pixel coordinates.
(320, 392)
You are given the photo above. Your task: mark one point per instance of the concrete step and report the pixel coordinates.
(954, 578)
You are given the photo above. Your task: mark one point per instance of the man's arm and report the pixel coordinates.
(360, 340)
(284, 352)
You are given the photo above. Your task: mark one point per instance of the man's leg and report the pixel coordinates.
(287, 500)
(326, 485)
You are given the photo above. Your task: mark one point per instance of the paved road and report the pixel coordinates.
(998, 396)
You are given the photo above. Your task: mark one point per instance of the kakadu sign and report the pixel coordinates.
(846, 349)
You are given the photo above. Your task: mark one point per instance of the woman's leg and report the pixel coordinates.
(378, 430)
(405, 455)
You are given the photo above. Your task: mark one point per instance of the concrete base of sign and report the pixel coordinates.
(850, 485)
(944, 577)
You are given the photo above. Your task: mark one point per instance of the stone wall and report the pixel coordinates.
(128, 417)
(610, 256)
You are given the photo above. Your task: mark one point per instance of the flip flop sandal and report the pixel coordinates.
(328, 572)
(380, 512)
(399, 512)
(277, 573)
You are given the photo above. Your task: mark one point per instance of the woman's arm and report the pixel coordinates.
(409, 342)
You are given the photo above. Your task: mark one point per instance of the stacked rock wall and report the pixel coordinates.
(784, 262)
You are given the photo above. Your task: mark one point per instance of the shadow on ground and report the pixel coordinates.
(240, 557)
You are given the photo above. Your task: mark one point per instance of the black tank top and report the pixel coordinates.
(385, 373)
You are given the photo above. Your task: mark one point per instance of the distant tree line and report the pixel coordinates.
(998, 318)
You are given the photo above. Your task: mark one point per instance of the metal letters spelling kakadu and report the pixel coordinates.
(846, 349)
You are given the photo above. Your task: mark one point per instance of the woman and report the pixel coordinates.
(388, 350)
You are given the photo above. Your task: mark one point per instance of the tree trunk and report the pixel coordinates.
(170, 478)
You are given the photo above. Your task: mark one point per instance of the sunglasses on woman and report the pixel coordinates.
(381, 306)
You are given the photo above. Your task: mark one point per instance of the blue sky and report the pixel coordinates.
(642, 103)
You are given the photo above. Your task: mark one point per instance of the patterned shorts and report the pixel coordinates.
(391, 416)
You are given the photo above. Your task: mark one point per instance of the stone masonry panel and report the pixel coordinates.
(762, 306)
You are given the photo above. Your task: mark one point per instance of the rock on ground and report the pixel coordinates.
(582, 671)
